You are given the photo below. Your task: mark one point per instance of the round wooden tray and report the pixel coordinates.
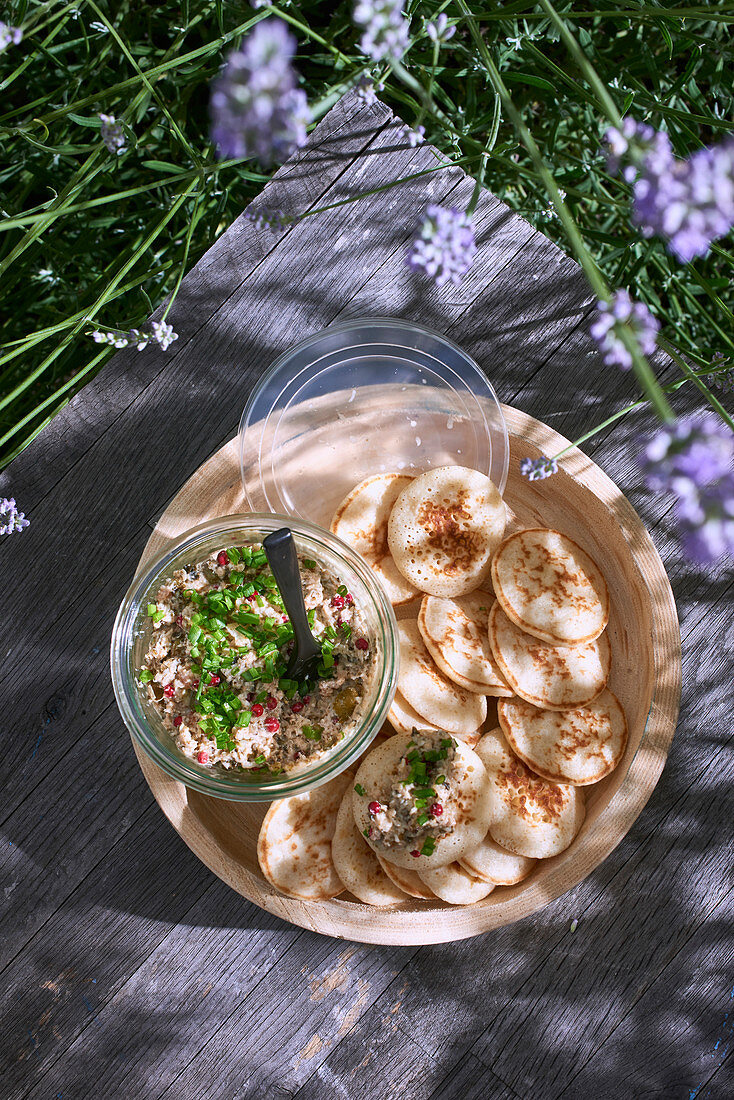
(582, 502)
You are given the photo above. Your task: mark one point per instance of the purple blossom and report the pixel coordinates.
(158, 332)
(635, 142)
(386, 32)
(444, 246)
(438, 29)
(9, 36)
(537, 469)
(367, 90)
(690, 203)
(256, 108)
(112, 133)
(706, 521)
(622, 312)
(694, 459)
(697, 448)
(265, 218)
(10, 518)
(415, 136)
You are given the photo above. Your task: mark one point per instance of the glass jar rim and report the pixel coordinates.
(238, 788)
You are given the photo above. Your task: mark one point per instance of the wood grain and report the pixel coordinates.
(643, 630)
(137, 955)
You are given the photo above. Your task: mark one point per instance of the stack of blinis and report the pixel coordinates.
(455, 803)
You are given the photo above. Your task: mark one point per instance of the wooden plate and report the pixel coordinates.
(580, 501)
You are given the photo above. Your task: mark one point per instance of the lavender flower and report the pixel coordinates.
(266, 218)
(694, 459)
(112, 133)
(634, 143)
(690, 203)
(157, 333)
(256, 108)
(612, 317)
(10, 518)
(706, 521)
(444, 246)
(537, 469)
(367, 91)
(9, 36)
(438, 29)
(163, 334)
(415, 136)
(386, 34)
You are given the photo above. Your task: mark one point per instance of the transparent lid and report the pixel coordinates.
(361, 398)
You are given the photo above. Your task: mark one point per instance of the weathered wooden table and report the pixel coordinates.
(129, 970)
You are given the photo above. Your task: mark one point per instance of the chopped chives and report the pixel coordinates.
(145, 676)
(309, 563)
(152, 608)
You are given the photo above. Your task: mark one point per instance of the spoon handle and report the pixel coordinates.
(280, 550)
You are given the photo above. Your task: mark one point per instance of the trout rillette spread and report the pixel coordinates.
(216, 663)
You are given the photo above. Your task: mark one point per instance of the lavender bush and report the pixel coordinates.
(613, 138)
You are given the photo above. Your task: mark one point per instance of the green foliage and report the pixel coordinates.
(89, 239)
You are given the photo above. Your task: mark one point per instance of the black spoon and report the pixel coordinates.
(280, 550)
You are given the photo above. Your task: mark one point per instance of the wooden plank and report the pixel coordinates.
(268, 1023)
(56, 682)
(62, 832)
(170, 1003)
(470, 1080)
(678, 1035)
(298, 186)
(192, 946)
(375, 1060)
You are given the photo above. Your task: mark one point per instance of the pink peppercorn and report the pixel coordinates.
(177, 720)
(203, 757)
(222, 558)
(337, 601)
(272, 725)
(258, 709)
(349, 598)
(362, 643)
(415, 852)
(169, 691)
(374, 807)
(179, 621)
(195, 683)
(285, 618)
(271, 702)
(436, 809)
(307, 698)
(215, 679)
(296, 707)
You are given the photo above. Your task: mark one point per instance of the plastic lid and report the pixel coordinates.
(361, 398)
